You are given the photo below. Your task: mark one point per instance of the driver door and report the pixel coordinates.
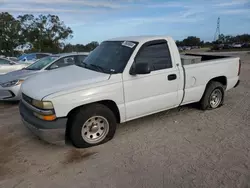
(149, 93)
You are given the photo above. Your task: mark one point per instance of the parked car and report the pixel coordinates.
(186, 48)
(246, 45)
(10, 83)
(180, 48)
(195, 47)
(121, 80)
(227, 46)
(31, 58)
(12, 58)
(217, 47)
(7, 65)
(236, 45)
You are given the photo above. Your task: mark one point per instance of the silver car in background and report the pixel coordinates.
(8, 65)
(10, 83)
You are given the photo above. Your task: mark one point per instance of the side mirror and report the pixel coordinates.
(11, 63)
(54, 66)
(140, 68)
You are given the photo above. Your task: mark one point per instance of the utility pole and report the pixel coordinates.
(217, 32)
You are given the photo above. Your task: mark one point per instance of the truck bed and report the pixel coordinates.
(197, 75)
(190, 59)
(207, 57)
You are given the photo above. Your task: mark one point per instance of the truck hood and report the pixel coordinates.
(15, 75)
(62, 79)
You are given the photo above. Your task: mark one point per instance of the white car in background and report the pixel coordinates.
(236, 45)
(7, 65)
(10, 84)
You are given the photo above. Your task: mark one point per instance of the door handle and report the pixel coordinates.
(172, 77)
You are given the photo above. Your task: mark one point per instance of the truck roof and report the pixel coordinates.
(139, 38)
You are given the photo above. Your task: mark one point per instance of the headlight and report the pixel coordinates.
(12, 83)
(45, 105)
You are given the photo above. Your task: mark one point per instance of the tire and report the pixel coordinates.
(206, 102)
(92, 125)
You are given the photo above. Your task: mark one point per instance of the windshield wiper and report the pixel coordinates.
(82, 64)
(97, 66)
(85, 65)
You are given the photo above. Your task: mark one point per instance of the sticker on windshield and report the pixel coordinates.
(128, 44)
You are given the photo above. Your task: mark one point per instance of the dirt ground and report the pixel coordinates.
(183, 147)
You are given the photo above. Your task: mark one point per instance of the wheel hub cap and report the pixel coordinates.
(215, 98)
(95, 129)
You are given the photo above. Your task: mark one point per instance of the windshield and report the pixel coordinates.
(109, 57)
(21, 57)
(41, 63)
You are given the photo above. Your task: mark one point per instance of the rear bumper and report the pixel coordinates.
(50, 131)
(237, 84)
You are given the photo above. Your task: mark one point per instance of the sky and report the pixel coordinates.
(98, 20)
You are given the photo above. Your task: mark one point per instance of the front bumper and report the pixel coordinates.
(50, 131)
(10, 93)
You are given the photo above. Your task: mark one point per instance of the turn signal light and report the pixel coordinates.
(45, 117)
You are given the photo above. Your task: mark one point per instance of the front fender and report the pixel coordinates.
(63, 104)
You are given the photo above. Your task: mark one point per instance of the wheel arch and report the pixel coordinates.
(108, 103)
(220, 79)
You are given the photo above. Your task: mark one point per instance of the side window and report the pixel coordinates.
(80, 58)
(157, 55)
(63, 62)
(4, 62)
(31, 57)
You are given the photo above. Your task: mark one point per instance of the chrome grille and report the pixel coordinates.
(27, 98)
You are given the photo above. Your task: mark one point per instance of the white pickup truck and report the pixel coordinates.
(122, 79)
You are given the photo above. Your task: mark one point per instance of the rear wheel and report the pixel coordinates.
(93, 125)
(213, 96)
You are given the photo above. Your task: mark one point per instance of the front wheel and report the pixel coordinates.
(93, 125)
(213, 96)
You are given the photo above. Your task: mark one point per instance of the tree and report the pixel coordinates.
(80, 47)
(46, 33)
(191, 41)
(228, 39)
(91, 46)
(10, 36)
(179, 43)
